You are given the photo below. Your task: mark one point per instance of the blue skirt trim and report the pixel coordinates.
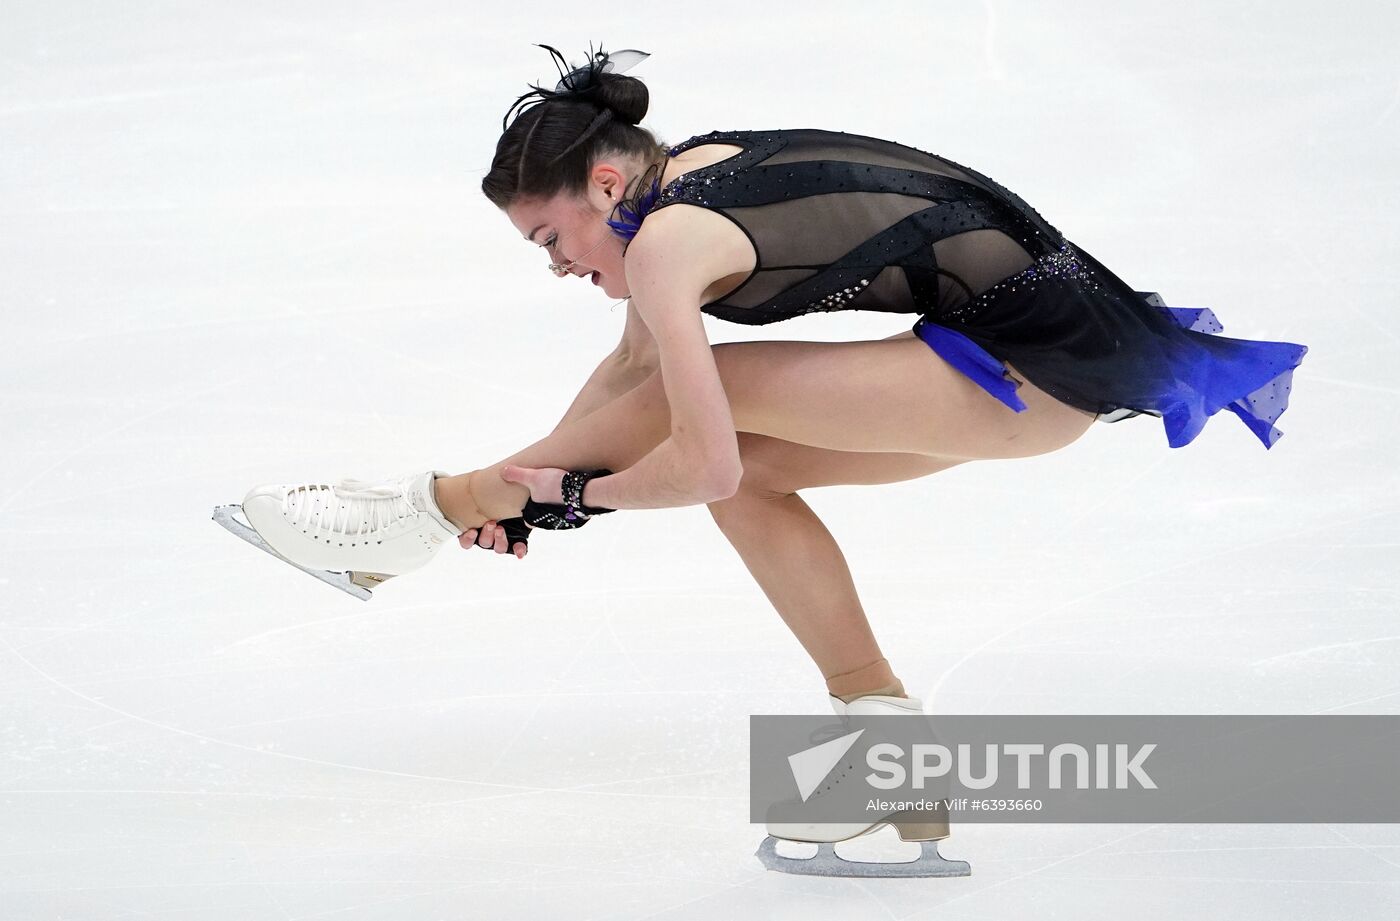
(1183, 378)
(971, 359)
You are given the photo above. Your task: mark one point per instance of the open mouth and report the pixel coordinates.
(594, 276)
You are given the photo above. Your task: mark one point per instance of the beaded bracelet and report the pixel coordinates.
(573, 513)
(572, 489)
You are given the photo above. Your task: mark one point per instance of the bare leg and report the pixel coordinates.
(811, 393)
(787, 549)
(793, 556)
(614, 436)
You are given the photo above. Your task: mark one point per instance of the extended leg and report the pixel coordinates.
(792, 555)
(814, 393)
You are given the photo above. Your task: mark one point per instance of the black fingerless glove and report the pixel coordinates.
(572, 513)
(517, 532)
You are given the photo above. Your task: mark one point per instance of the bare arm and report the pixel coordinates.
(699, 461)
(625, 367)
(665, 339)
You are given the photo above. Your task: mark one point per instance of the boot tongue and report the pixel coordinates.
(349, 489)
(418, 490)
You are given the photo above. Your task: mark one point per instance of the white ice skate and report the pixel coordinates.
(926, 830)
(353, 536)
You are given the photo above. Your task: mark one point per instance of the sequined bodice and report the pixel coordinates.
(847, 222)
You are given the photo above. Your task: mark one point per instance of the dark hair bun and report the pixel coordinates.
(627, 97)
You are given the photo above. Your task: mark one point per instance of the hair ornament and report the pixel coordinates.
(577, 82)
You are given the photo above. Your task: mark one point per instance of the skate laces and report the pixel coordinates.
(353, 508)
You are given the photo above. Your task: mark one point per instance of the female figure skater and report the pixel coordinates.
(1022, 342)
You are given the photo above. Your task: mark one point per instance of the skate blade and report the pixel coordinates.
(829, 863)
(352, 583)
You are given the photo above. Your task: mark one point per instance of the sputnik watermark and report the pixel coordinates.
(886, 761)
(1116, 768)
(930, 761)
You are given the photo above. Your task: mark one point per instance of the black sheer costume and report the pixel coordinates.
(845, 222)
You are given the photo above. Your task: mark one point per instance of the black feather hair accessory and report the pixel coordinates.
(577, 82)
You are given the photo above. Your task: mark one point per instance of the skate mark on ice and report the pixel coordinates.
(970, 654)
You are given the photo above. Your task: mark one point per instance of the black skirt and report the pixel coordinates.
(1085, 337)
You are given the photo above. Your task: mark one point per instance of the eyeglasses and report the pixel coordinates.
(561, 270)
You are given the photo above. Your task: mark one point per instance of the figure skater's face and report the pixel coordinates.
(572, 231)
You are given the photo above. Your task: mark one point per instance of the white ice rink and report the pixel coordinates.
(245, 243)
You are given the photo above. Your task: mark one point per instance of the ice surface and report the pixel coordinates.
(245, 243)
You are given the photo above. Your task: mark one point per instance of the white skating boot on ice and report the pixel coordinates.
(354, 535)
(928, 830)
